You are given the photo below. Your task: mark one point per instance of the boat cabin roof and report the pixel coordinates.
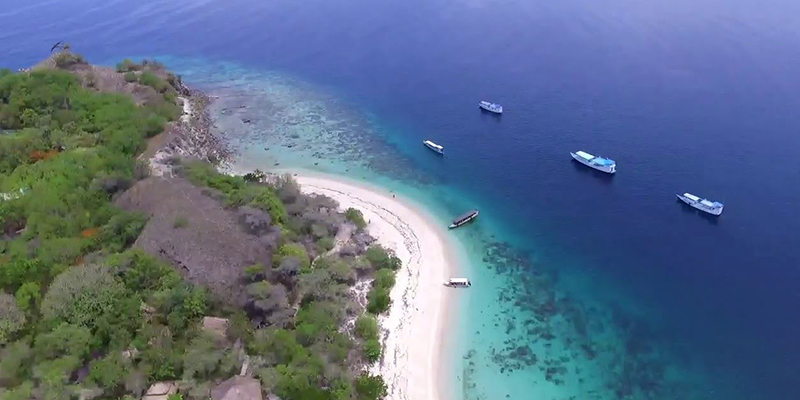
(461, 281)
(712, 204)
(603, 161)
(691, 196)
(584, 155)
(429, 143)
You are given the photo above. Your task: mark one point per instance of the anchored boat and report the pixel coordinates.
(433, 146)
(464, 219)
(458, 282)
(491, 107)
(606, 165)
(711, 207)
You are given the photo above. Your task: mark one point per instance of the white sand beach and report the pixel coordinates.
(413, 329)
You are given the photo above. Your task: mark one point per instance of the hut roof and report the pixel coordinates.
(238, 388)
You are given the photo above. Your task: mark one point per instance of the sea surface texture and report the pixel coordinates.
(586, 286)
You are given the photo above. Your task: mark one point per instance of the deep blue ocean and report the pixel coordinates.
(618, 290)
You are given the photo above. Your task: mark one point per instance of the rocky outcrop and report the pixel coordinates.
(202, 239)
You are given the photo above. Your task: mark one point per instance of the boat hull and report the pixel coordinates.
(464, 221)
(434, 149)
(489, 109)
(609, 169)
(696, 205)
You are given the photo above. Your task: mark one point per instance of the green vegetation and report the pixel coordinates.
(367, 329)
(385, 263)
(131, 77)
(380, 258)
(128, 66)
(180, 222)
(236, 191)
(150, 79)
(356, 217)
(76, 300)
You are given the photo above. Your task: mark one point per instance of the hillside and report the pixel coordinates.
(118, 284)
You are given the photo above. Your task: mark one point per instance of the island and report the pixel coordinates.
(132, 267)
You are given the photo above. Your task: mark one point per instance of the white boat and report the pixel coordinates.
(458, 282)
(491, 107)
(433, 146)
(711, 207)
(606, 165)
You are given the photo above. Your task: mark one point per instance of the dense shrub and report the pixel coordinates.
(82, 295)
(372, 349)
(66, 59)
(11, 318)
(150, 79)
(131, 77)
(128, 66)
(356, 217)
(384, 279)
(370, 387)
(366, 327)
(381, 258)
(292, 250)
(237, 192)
(324, 244)
(378, 300)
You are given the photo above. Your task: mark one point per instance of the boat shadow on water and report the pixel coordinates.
(687, 209)
(599, 175)
(488, 115)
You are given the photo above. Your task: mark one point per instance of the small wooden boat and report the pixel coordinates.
(458, 283)
(464, 219)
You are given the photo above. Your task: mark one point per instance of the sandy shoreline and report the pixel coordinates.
(413, 329)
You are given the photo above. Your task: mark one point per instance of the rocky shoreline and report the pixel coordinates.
(191, 137)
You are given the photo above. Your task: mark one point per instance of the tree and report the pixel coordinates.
(370, 387)
(381, 258)
(53, 376)
(356, 217)
(66, 340)
(384, 279)
(28, 296)
(202, 358)
(378, 300)
(372, 350)
(14, 360)
(11, 318)
(293, 250)
(109, 372)
(366, 327)
(81, 295)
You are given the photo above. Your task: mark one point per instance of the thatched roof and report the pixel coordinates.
(161, 391)
(238, 388)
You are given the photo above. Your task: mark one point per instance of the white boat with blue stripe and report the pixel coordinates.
(491, 107)
(711, 207)
(606, 165)
(433, 146)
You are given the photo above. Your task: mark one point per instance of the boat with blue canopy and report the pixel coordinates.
(603, 164)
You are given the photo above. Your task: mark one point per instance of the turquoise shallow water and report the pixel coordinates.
(651, 299)
(526, 329)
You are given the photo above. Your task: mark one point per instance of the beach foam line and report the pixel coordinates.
(412, 331)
